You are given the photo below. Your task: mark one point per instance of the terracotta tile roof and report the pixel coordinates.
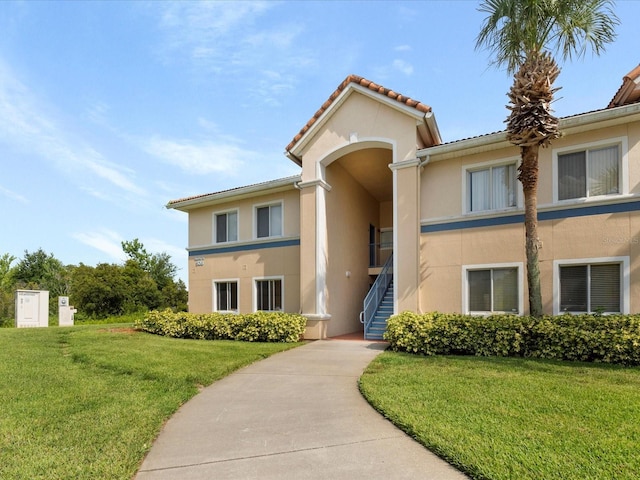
(367, 84)
(629, 91)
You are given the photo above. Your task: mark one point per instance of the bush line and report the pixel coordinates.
(253, 327)
(585, 338)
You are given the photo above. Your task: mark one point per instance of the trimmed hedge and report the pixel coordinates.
(585, 338)
(253, 327)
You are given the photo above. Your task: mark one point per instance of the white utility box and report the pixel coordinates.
(65, 312)
(32, 308)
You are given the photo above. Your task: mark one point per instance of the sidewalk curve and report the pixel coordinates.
(295, 415)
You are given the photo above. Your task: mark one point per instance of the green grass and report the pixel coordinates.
(86, 402)
(507, 418)
(126, 318)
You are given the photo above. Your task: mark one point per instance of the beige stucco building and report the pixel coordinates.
(437, 226)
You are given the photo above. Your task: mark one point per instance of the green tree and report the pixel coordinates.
(142, 290)
(99, 291)
(524, 36)
(6, 271)
(43, 271)
(158, 265)
(7, 308)
(175, 296)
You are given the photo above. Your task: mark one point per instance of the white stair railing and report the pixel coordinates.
(374, 298)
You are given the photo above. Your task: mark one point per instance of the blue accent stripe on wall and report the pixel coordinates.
(245, 247)
(542, 216)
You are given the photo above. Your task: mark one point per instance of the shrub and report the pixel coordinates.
(253, 327)
(590, 338)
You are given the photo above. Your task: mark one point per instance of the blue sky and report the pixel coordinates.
(108, 110)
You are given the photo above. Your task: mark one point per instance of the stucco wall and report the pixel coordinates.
(443, 254)
(578, 230)
(201, 219)
(351, 210)
(442, 186)
(245, 267)
(359, 123)
(248, 258)
(358, 118)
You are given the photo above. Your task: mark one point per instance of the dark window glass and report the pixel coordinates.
(263, 222)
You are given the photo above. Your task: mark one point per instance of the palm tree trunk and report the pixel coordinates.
(528, 176)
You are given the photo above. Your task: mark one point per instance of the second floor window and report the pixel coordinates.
(269, 221)
(492, 188)
(226, 227)
(386, 239)
(589, 173)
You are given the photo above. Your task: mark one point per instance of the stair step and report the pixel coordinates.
(372, 336)
(378, 324)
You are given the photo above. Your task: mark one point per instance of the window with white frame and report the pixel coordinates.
(492, 188)
(226, 296)
(226, 227)
(493, 290)
(269, 294)
(589, 172)
(269, 220)
(591, 287)
(386, 239)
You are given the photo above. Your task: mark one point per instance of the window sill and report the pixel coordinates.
(603, 314)
(270, 237)
(600, 199)
(487, 314)
(491, 213)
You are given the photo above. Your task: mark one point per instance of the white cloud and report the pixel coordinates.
(227, 39)
(104, 240)
(199, 158)
(403, 66)
(97, 112)
(403, 48)
(110, 242)
(208, 125)
(207, 30)
(27, 124)
(156, 245)
(114, 175)
(13, 195)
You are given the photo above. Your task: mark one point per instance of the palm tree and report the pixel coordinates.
(524, 36)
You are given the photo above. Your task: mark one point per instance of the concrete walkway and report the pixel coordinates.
(296, 415)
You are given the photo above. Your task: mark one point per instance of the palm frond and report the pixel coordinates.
(513, 29)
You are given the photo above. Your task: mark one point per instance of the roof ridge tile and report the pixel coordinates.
(363, 82)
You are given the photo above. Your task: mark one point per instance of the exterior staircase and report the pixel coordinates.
(378, 325)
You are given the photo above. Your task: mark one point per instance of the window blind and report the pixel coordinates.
(605, 288)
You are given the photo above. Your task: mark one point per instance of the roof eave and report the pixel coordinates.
(568, 125)
(240, 193)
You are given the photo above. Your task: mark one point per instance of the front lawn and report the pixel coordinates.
(86, 402)
(513, 418)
